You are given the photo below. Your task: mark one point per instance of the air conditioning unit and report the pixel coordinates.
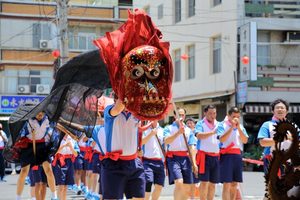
(293, 36)
(44, 44)
(42, 89)
(23, 89)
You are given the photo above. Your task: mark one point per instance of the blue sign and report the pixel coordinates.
(242, 92)
(8, 104)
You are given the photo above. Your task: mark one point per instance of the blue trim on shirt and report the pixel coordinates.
(264, 132)
(76, 147)
(109, 122)
(96, 138)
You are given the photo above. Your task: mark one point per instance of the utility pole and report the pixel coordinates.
(62, 24)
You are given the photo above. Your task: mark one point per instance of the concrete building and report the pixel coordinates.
(270, 35)
(29, 34)
(203, 38)
(212, 40)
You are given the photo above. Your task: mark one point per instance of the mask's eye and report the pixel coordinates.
(137, 61)
(153, 74)
(137, 72)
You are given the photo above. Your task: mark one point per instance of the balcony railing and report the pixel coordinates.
(276, 9)
(277, 78)
(82, 13)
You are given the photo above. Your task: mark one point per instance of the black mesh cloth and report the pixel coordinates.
(74, 97)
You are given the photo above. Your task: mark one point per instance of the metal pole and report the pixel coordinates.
(62, 19)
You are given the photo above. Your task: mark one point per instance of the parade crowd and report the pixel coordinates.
(127, 158)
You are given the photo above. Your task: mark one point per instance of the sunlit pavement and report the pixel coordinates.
(252, 188)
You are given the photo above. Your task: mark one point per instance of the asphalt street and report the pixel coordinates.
(252, 188)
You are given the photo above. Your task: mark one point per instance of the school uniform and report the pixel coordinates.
(178, 162)
(85, 155)
(153, 158)
(63, 163)
(267, 131)
(37, 175)
(2, 145)
(99, 150)
(43, 132)
(122, 172)
(208, 153)
(231, 164)
(98, 136)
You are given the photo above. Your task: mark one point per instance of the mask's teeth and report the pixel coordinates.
(151, 98)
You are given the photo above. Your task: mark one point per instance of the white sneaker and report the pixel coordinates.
(13, 172)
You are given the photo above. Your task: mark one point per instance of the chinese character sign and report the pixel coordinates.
(10, 103)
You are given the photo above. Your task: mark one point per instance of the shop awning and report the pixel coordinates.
(4, 118)
(258, 108)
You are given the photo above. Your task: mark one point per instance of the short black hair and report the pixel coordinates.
(190, 119)
(277, 101)
(233, 109)
(206, 108)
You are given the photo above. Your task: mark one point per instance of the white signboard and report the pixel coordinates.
(248, 47)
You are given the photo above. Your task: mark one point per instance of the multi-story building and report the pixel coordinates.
(203, 38)
(226, 53)
(28, 35)
(269, 33)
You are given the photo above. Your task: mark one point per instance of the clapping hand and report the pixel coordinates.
(235, 122)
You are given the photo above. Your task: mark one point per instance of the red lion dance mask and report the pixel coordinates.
(139, 66)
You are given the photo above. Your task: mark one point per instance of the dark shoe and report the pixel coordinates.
(3, 180)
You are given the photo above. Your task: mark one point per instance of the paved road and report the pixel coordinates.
(252, 189)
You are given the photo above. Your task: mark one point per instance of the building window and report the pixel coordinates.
(191, 10)
(40, 32)
(160, 11)
(10, 81)
(191, 62)
(82, 38)
(177, 65)
(27, 79)
(263, 48)
(34, 78)
(216, 55)
(216, 2)
(177, 11)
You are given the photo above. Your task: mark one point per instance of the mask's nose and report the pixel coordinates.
(150, 88)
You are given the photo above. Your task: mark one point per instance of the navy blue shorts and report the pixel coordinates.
(37, 176)
(266, 165)
(231, 166)
(79, 162)
(96, 163)
(42, 155)
(30, 174)
(212, 170)
(64, 175)
(87, 165)
(154, 171)
(122, 177)
(180, 167)
(196, 179)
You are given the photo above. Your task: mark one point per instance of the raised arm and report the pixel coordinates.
(117, 108)
(169, 139)
(147, 138)
(225, 136)
(72, 124)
